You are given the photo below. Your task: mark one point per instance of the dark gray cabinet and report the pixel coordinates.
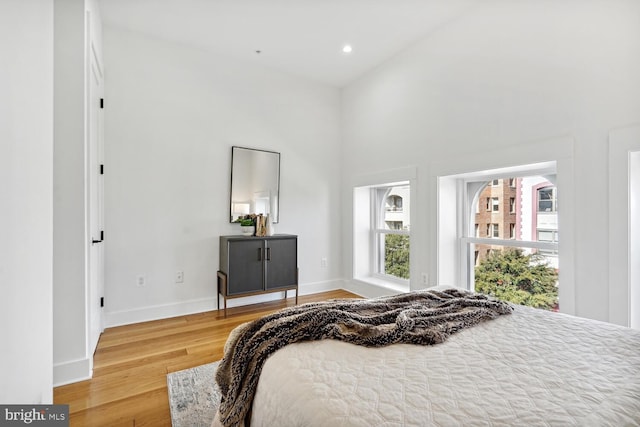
(256, 265)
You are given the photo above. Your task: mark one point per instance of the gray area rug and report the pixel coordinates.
(194, 396)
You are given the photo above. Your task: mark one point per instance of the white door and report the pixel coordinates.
(95, 199)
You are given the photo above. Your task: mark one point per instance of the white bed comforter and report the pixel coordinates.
(533, 368)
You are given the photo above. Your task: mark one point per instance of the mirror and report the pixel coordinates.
(255, 183)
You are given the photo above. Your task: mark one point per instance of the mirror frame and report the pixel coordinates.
(234, 168)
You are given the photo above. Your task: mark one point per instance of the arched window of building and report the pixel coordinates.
(394, 203)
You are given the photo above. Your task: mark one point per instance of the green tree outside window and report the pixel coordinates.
(396, 255)
(513, 276)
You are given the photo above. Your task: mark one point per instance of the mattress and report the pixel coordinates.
(533, 368)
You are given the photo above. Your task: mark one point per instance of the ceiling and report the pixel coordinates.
(299, 37)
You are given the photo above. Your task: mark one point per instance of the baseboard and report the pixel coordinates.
(164, 311)
(317, 287)
(72, 371)
(156, 312)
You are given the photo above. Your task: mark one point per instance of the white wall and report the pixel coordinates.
(634, 239)
(502, 75)
(69, 242)
(26, 234)
(624, 256)
(172, 114)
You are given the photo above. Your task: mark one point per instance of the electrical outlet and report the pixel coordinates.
(425, 279)
(141, 280)
(179, 276)
(323, 262)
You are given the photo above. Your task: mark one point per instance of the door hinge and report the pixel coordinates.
(101, 102)
(94, 241)
(101, 301)
(101, 169)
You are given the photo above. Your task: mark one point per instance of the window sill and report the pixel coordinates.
(385, 284)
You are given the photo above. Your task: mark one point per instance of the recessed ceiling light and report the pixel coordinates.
(347, 48)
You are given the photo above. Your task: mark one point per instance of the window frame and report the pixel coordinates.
(362, 254)
(495, 230)
(553, 199)
(550, 155)
(379, 196)
(471, 188)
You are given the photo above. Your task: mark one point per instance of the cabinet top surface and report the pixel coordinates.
(275, 236)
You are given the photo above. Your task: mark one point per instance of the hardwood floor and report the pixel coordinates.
(129, 384)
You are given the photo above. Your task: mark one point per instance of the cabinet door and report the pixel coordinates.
(246, 272)
(282, 263)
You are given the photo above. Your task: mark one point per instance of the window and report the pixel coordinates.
(381, 226)
(522, 243)
(495, 182)
(500, 258)
(462, 183)
(547, 201)
(391, 230)
(394, 203)
(547, 236)
(394, 225)
(493, 204)
(550, 236)
(493, 230)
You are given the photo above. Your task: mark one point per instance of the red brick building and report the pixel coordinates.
(496, 214)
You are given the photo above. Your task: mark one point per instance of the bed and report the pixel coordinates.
(531, 367)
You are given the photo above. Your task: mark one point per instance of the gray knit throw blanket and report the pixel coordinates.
(421, 317)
